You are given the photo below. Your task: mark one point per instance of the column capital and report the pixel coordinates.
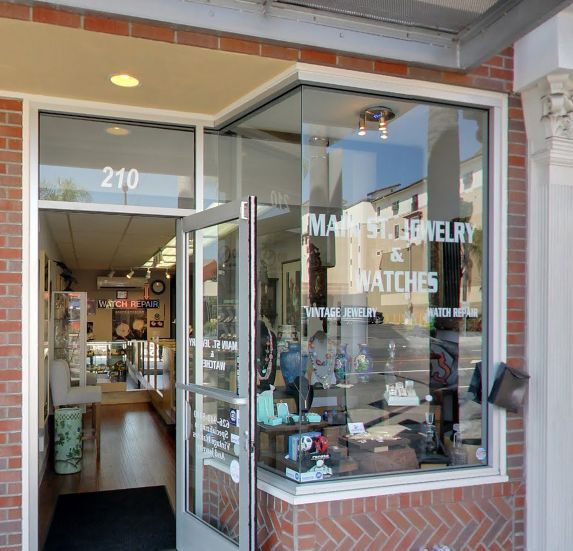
(548, 111)
(557, 106)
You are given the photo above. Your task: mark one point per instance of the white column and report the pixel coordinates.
(548, 106)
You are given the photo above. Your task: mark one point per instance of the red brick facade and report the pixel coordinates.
(476, 518)
(10, 324)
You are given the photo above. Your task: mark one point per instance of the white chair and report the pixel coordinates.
(64, 394)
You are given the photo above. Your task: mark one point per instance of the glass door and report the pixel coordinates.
(216, 384)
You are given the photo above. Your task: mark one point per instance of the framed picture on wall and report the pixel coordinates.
(291, 292)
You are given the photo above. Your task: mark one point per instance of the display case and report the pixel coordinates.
(68, 332)
(108, 360)
(371, 240)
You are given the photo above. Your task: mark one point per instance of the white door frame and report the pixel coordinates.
(31, 206)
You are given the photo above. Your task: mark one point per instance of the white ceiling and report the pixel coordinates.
(57, 61)
(103, 241)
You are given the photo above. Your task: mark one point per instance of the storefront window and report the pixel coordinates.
(103, 161)
(372, 273)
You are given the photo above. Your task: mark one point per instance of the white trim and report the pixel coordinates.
(113, 209)
(344, 78)
(199, 168)
(101, 109)
(30, 428)
(299, 494)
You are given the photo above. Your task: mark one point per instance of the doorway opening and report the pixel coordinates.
(107, 310)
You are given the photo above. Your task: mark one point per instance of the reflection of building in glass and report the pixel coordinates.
(383, 246)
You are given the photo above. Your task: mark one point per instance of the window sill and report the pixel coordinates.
(299, 494)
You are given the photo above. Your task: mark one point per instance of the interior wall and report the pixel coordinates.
(102, 318)
(49, 280)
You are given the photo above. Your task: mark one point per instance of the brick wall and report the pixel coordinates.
(221, 502)
(486, 517)
(10, 323)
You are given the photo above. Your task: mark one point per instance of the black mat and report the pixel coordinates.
(136, 519)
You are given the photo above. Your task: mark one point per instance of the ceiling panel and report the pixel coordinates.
(101, 242)
(110, 223)
(163, 226)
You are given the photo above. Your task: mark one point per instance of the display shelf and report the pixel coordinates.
(109, 360)
(68, 332)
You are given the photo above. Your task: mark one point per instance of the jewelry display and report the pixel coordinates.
(266, 359)
(401, 394)
(321, 360)
(283, 412)
(265, 406)
(303, 394)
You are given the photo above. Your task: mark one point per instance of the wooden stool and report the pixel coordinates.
(94, 432)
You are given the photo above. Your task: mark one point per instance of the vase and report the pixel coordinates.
(292, 361)
(341, 362)
(285, 334)
(363, 363)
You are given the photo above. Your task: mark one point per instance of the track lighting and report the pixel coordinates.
(111, 273)
(148, 273)
(167, 274)
(379, 114)
(129, 274)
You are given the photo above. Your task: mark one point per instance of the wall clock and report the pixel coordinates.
(158, 286)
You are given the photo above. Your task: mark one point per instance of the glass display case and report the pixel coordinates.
(371, 249)
(108, 360)
(68, 334)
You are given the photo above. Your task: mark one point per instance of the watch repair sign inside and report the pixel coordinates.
(128, 304)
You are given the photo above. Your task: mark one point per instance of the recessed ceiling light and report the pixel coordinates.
(117, 131)
(124, 80)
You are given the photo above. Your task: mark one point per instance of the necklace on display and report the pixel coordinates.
(265, 370)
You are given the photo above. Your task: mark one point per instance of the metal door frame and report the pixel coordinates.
(243, 211)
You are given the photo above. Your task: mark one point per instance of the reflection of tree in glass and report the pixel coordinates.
(476, 247)
(65, 190)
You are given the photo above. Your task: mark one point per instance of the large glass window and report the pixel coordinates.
(103, 161)
(372, 274)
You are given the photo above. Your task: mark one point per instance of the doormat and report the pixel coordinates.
(117, 520)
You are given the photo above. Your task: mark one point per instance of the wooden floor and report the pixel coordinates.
(137, 449)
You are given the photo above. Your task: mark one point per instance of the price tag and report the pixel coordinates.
(356, 428)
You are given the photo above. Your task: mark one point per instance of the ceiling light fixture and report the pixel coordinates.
(111, 272)
(117, 131)
(124, 80)
(362, 125)
(377, 114)
(148, 273)
(129, 274)
(167, 274)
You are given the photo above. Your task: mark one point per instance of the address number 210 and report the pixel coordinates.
(129, 180)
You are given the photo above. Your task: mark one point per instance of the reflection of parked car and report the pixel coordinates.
(377, 318)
